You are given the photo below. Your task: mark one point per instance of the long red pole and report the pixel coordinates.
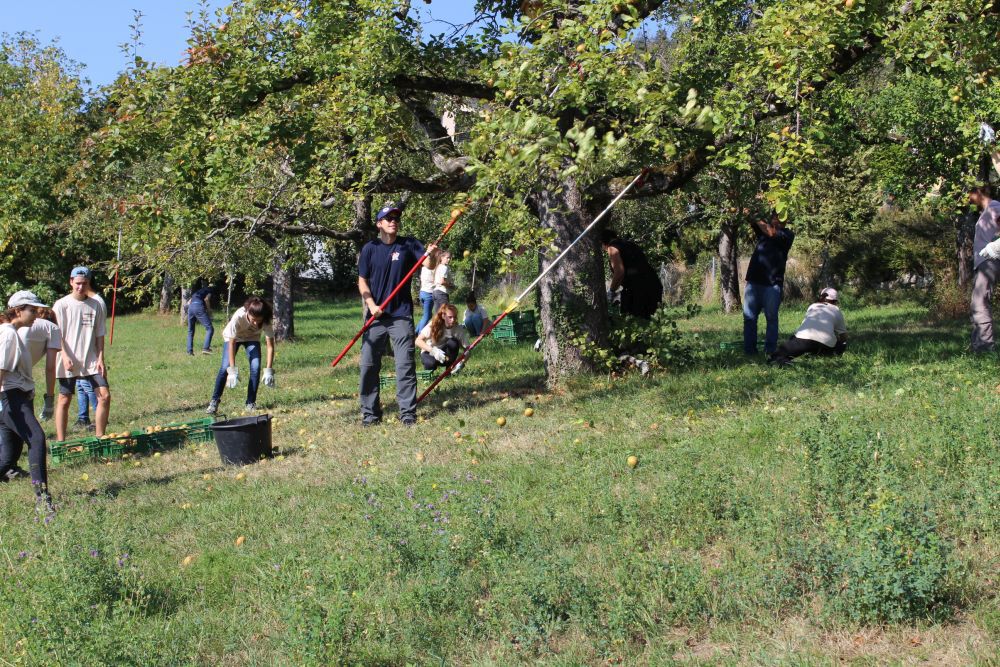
(455, 214)
(517, 301)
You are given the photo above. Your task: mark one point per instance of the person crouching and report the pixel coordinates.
(823, 331)
(442, 340)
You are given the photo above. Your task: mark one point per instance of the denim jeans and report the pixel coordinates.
(253, 355)
(400, 331)
(85, 397)
(474, 324)
(18, 425)
(197, 314)
(755, 299)
(427, 301)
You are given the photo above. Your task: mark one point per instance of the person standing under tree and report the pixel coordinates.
(18, 423)
(245, 328)
(442, 280)
(765, 282)
(427, 287)
(200, 312)
(382, 265)
(986, 267)
(641, 290)
(83, 322)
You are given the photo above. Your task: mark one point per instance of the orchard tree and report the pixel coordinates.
(292, 117)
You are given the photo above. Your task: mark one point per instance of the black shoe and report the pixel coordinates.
(190, 353)
(82, 424)
(206, 351)
(409, 420)
(370, 422)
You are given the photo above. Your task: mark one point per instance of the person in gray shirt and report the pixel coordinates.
(986, 263)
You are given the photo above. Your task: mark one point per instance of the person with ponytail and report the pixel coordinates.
(442, 340)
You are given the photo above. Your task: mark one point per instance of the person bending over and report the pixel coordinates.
(823, 331)
(245, 328)
(442, 340)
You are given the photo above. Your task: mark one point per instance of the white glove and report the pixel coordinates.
(3, 402)
(269, 377)
(439, 354)
(48, 407)
(234, 377)
(992, 250)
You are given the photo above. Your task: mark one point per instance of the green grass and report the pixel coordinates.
(844, 510)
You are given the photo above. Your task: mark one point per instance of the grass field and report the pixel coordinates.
(843, 510)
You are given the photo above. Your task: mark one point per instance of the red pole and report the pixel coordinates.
(405, 282)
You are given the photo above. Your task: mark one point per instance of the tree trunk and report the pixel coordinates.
(573, 300)
(185, 297)
(166, 293)
(284, 310)
(729, 268)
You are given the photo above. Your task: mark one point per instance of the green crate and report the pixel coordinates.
(73, 451)
(389, 379)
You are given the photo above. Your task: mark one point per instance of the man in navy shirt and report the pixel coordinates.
(383, 264)
(199, 311)
(765, 281)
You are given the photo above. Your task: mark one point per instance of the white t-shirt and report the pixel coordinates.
(241, 330)
(457, 332)
(440, 276)
(426, 280)
(81, 324)
(478, 310)
(39, 338)
(987, 227)
(823, 323)
(15, 362)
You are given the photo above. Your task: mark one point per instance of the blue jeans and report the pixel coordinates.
(427, 301)
(198, 315)
(474, 324)
(755, 299)
(85, 397)
(253, 355)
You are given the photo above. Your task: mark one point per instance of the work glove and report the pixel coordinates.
(439, 354)
(269, 377)
(992, 250)
(612, 296)
(234, 377)
(48, 407)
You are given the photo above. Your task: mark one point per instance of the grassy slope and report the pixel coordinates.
(532, 542)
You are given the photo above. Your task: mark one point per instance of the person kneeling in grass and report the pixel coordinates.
(823, 331)
(245, 328)
(442, 340)
(476, 318)
(18, 423)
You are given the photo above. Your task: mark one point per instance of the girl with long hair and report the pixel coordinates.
(442, 340)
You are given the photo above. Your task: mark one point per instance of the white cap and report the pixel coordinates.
(24, 298)
(829, 294)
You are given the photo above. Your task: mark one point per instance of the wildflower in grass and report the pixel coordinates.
(409, 493)
(276, 567)
(21, 555)
(94, 553)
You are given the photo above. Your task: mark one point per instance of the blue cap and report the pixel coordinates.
(387, 211)
(80, 272)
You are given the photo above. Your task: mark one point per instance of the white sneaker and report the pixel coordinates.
(250, 407)
(213, 407)
(538, 345)
(458, 367)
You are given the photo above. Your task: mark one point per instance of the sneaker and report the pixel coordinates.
(15, 473)
(408, 420)
(190, 353)
(370, 422)
(213, 407)
(250, 407)
(82, 423)
(538, 345)
(208, 351)
(458, 368)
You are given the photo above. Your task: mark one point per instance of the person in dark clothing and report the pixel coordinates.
(765, 281)
(641, 290)
(199, 311)
(382, 265)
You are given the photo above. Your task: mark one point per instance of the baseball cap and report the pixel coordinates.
(829, 294)
(24, 298)
(387, 211)
(79, 272)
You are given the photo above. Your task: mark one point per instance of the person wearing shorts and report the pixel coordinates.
(18, 424)
(83, 322)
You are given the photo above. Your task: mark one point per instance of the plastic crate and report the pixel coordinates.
(73, 451)
(389, 379)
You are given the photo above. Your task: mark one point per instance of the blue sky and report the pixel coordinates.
(90, 32)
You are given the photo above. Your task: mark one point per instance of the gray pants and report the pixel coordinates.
(982, 316)
(400, 331)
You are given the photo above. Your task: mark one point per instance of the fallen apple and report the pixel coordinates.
(528, 412)
(501, 421)
(240, 540)
(632, 461)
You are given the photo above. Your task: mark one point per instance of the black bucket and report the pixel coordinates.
(243, 440)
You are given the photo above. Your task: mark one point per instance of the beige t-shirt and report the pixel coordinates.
(426, 280)
(41, 337)
(441, 278)
(242, 330)
(81, 324)
(15, 362)
(823, 323)
(457, 331)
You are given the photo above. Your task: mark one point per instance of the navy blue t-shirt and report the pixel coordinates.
(202, 294)
(384, 266)
(767, 265)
